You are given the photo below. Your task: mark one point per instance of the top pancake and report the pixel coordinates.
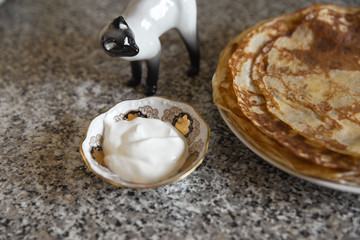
(310, 78)
(251, 100)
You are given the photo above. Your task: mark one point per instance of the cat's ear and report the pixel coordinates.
(120, 23)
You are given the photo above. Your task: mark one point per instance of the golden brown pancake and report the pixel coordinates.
(311, 78)
(245, 106)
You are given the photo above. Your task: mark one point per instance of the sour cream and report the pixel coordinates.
(143, 150)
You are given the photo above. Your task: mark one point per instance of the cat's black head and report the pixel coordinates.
(118, 39)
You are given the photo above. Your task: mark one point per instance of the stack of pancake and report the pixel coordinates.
(291, 86)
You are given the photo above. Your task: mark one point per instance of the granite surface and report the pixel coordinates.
(54, 78)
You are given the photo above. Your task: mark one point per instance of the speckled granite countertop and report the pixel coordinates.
(54, 78)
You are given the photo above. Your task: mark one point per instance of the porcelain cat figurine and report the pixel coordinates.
(134, 36)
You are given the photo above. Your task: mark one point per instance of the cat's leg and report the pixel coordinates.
(136, 72)
(192, 46)
(153, 66)
(188, 32)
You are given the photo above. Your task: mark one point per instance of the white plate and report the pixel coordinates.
(266, 157)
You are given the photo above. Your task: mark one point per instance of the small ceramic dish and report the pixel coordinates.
(197, 136)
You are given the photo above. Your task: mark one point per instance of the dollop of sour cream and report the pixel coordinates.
(143, 150)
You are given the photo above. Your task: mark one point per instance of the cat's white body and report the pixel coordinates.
(149, 19)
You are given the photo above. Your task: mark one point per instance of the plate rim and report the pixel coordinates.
(264, 156)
